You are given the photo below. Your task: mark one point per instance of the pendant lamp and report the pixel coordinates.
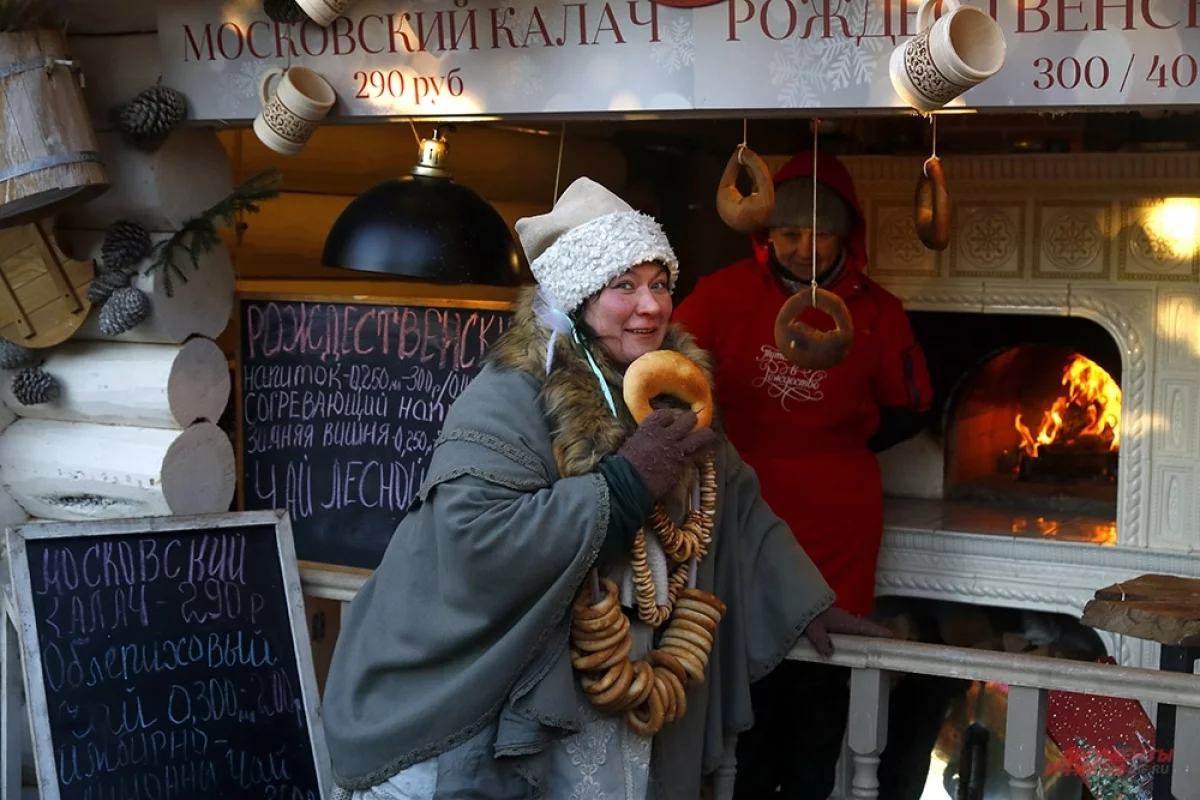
(426, 227)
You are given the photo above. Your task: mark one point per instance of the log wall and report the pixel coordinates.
(135, 430)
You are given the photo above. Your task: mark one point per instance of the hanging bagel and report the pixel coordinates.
(931, 207)
(804, 345)
(751, 213)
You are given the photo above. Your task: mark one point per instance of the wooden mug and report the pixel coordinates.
(291, 115)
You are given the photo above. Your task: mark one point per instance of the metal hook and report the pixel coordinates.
(71, 64)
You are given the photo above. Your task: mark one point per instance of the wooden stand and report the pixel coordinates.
(1163, 609)
(43, 294)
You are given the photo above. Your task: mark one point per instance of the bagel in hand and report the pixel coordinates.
(753, 212)
(667, 372)
(804, 345)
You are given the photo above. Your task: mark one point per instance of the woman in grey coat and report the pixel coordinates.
(458, 672)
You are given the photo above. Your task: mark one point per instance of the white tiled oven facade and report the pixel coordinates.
(1111, 237)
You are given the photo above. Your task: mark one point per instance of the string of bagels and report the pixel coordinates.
(652, 691)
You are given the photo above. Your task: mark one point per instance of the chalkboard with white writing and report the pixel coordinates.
(339, 407)
(168, 658)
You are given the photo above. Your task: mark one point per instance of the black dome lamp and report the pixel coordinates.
(425, 226)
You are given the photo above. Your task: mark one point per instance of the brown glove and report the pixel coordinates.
(835, 620)
(663, 445)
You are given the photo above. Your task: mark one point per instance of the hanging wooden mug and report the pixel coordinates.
(51, 159)
(960, 50)
(291, 114)
(323, 12)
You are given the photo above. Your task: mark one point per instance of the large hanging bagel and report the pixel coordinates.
(805, 346)
(931, 206)
(671, 373)
(753, 212)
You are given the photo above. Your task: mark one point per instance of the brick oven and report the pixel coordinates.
(1067, 304)
(1030, 420)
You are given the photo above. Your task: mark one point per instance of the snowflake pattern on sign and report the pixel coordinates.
(521, 76)
(676, 47)
(1109, 742)
(805, 69)
(239, 83)
(522, 23)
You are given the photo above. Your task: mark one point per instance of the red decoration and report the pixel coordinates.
(1107, 741)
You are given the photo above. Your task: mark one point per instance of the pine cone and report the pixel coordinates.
(149, 117)
(125, 244)
(285, 12)
(107, 282)
(125, 310)
(14, 356)
(33, 386)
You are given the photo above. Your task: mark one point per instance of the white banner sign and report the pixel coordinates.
(443, 58)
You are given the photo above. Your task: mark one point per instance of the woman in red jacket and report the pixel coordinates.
(811, 436)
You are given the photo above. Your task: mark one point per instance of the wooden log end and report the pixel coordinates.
(199, 472)
(161, 189)
(199, 386)
(201, 306)
(81, 471)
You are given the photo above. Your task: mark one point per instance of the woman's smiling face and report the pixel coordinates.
(629, 317)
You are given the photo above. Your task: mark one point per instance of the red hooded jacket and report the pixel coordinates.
(805, 432)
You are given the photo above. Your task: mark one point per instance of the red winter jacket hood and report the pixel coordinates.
(806, 433)
(834, 174)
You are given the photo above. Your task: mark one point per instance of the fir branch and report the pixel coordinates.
(199, 234)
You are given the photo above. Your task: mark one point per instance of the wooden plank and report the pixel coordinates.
(50, 289)
(1155, 587)
(1152, 621)
(1158, 608)
(12, 716)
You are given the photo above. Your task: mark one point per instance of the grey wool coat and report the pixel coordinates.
(459, 640)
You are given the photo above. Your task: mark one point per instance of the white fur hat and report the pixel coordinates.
(590, 237)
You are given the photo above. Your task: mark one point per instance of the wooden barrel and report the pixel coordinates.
(49, 159)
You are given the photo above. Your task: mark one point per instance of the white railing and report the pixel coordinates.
(1029, 678)
(871, 661)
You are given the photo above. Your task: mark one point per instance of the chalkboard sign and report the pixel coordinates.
(168, 657)
(340, 404)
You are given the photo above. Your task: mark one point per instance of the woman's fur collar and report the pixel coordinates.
(582, 427)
